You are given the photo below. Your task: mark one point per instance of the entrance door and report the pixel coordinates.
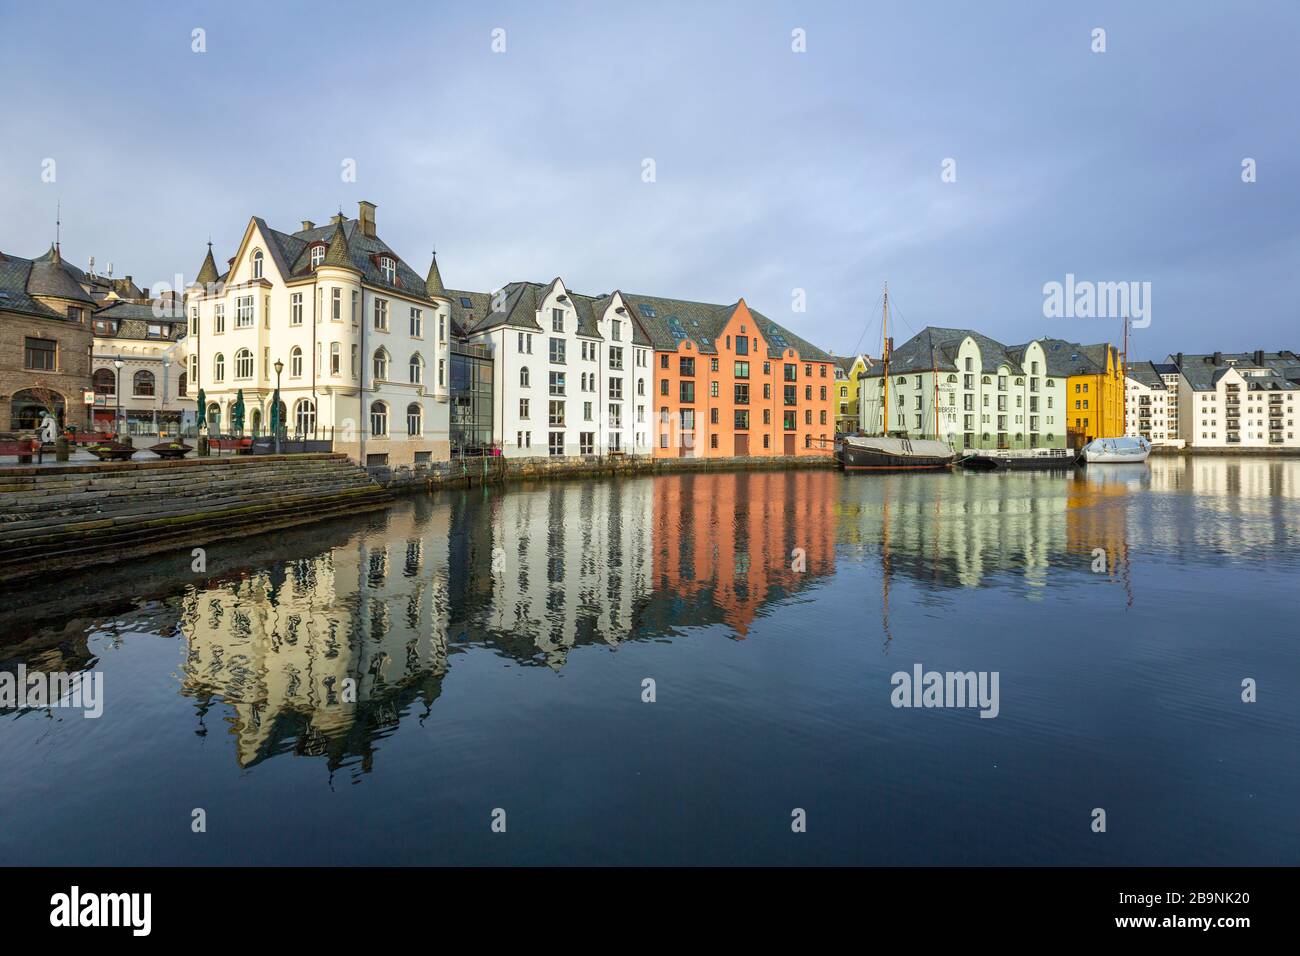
(789, 444)
(742, 445)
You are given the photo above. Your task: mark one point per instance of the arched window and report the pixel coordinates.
(414, 420)
(218, 368)
(317, 255)
(417, 369)
(986, 380)
(304, 417)
(389, 268)
(105, 382)
(381, 364)
(183, 385)
(295, 363)
(214, 419)
(243, 364)
(255, 421)
(378, 419)
(523, 377)
(257, 263)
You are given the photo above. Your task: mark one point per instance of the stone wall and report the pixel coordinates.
(70, 379)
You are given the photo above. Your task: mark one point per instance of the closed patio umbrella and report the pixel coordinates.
(237, 413)
(202, 419)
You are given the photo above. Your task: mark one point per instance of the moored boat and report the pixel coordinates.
(1019, 459)
(1102, 451)
(878, 453)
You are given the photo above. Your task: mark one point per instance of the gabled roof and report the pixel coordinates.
(1069, 358)
(937, 348)
(1203, 372)
(1146, 373)
(358, 251)
(669, 321)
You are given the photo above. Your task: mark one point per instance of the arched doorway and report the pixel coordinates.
(255, 421)
(30, 405)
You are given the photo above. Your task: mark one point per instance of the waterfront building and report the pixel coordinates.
(45, 342)
(1094, 388)
(139, 372)
(730, 381)
(363, 343)
(1146, 405)
(848, 369)
(966, 389)
(1237, 400)
(571, 372)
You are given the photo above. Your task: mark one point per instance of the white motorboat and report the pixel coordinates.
(1113, 451)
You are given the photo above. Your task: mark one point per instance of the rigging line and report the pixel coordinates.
(871, 322)
(899, 313)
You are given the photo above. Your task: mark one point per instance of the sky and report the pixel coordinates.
(967, 153)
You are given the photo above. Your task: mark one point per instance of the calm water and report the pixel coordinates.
(498, 642)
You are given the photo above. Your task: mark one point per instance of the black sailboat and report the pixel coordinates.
(885, 452)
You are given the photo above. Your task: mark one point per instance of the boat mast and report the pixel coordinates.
(1123, 374)
(884, 349)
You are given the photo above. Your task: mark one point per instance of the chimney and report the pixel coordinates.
(1178, 360)
(366, 216)
(1218, 358)
(308, 225)
(1259, 356)
(335, 220)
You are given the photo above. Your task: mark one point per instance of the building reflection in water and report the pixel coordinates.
(324, 655)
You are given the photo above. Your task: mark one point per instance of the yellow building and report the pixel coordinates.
(1094, 391)
(847, 370)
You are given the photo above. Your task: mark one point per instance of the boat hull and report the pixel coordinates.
(859, 458)
(1013, 463)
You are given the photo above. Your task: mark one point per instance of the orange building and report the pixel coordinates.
(728, 381)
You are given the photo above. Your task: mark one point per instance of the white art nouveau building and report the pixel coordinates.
(361, 341)
(573, 373)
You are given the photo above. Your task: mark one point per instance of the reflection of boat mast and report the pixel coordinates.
(884, 565)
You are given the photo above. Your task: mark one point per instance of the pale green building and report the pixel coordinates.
(969, 390)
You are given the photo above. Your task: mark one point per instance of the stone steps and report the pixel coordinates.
(75, 515)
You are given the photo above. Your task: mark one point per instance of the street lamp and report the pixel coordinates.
(275, 412)
(161, 398)
(117, 387)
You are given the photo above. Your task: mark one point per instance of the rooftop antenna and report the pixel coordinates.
(58, 226)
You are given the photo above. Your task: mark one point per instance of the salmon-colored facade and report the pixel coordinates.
(773, 531)
(749, 392)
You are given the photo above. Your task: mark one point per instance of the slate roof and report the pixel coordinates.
(290, 253)
(21, 280)
(937, 348)
(1069, 358)
(519, 306)
(1203, 372)
(1146, 373)
(134, 318)
(670, 321)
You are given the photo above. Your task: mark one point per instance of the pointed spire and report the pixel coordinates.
(208, 271)
(434, 282)
(337, 254)
(55, 254)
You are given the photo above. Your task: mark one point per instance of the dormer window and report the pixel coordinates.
(257, 264)
(389, 268)
(317, 255)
